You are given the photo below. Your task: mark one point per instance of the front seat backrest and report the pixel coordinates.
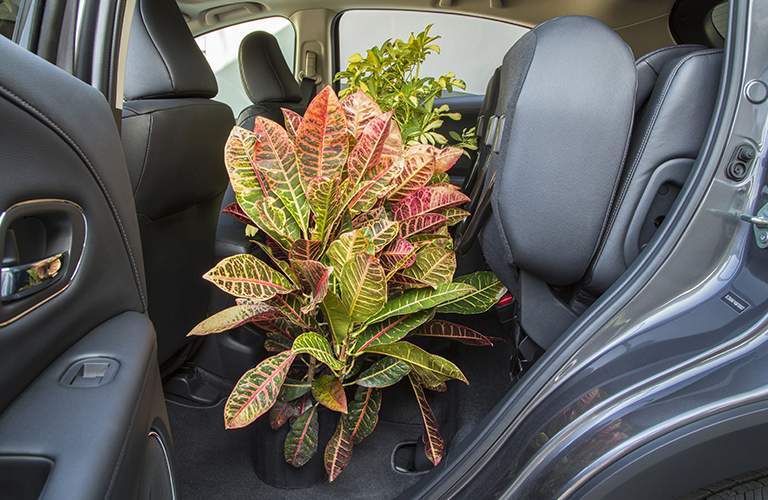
(174, 136)
(267, 80)
(666, 140)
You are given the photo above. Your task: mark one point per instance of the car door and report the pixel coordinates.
(82, 413)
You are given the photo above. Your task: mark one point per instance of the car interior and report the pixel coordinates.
(588, 128)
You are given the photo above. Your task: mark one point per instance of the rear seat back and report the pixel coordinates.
(677, 90)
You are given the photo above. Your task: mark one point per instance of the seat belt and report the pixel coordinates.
(309, 77)
(308, 90)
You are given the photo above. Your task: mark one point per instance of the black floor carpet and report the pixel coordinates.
(213, 463)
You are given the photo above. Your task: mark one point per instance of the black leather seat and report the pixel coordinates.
(267, 80)
(174, 136)
(577, 188)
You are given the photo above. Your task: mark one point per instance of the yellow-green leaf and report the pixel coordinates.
(232, 317)
(246, 276)
(363, 287)
(329, 392)
(419, 358)
(417, 300)
(318, 347)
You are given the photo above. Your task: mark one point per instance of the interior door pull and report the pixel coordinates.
(22, 280)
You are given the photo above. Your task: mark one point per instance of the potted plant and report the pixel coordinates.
(357, 260)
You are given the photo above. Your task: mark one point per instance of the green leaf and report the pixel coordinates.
(301, 441)
(417, 300)
(281, 264)
(487, 291)
(363, 287)
(453, 331)
(347, 245)
(318, 347)
(322, 193)
(363, 413)
(232, 317)
(384, 373)
(257, 390)
(338, 452)
(275, 156)
(391, 330)
(455, 215)
(294, 389)
(434, 266)
(419, 358)
(329, 392)
(246, 276)
(434, 445)
(338, 319)
(382, 232)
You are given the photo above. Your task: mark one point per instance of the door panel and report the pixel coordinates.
(59, 147)
(469, 107)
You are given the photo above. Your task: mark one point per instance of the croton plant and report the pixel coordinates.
(356, 261)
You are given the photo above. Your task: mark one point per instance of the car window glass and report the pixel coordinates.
(471, 47)
(220, 48)
(9, 11)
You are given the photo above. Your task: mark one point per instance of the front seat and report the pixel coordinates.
(267, 80)
(174, 136)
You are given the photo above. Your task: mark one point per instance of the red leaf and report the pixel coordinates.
(314, 278)
(366, 154)
(421, 223)
(235, 211)
(305, 250)
(322, 143)
(398, 254)
(434, 446)
(359, 109)
(338, 452)
(453, 331)
(292, 122)
(417, 172)
(427, 199)
(446, 158)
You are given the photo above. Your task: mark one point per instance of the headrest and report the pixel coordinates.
(163, 59)
(566, 105)
(265, 74)
(650, 65)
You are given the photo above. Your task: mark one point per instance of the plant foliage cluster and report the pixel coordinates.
(355, 261)
(392, 75)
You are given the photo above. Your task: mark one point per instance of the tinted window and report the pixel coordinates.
(471, 47)
(221, 46)
(9, 10)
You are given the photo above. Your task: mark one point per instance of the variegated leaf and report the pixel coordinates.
(305, 250)
(446, 158)
(363, 287)
(235, 211)
(454, 215)
(275, 156)
(417, 170)
(338, 451)
(421, 223)
(366, 218)
(419, 358)
(322, 143)
(279, 263)
(453, 331)
(273, 218)
(232, 317)
(487, 291)
(290, 307)
(366, 154)
(318, 347)
(329, 392)
(294, 389)
(338, 319)
(401, 282)
(363, 413)
(392, 153)
(398, 255)
(418, 300)
(238, 158)
(292, 122)
(390, 330)
(282, 411)
(384, 373)
(322, 194)
(434, 446)
(375, 186)
(359, 109)
(347, 245)
(256, 391)
(439, 178)
(427, 199)
(382, 232)
(301, 442)
(434, 266)
(314, 277)
(246, 276)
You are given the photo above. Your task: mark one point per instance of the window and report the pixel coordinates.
(220, 48)
(471, 47)
(9, 11)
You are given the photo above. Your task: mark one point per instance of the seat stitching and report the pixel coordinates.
(644, 144)
(48, 121)
(146, 155)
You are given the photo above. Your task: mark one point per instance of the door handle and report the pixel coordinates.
(19, 281)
